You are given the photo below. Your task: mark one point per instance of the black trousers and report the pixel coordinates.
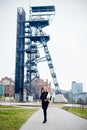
(45, 114)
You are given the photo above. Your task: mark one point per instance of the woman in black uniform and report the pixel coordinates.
(45, 102)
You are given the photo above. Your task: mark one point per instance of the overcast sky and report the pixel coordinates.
(67, 45)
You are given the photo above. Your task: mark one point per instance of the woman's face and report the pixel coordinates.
(45, 89)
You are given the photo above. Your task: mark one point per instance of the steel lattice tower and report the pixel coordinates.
(30, 36)
(20, 45)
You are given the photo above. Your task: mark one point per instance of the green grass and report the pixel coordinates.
(12, 119)
(77, 111)
(1, 106)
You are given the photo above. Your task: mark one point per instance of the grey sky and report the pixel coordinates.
(67, 45)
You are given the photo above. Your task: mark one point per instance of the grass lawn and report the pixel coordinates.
(13, 118)
(77, 111)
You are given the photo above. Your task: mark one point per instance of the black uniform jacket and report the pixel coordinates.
(43, 97)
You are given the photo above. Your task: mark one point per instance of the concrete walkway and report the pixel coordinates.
(58, 119)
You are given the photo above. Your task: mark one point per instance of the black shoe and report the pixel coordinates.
(44, 121)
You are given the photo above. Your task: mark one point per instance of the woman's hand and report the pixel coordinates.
(47, 100)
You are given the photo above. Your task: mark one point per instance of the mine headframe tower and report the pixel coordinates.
(30, 36)
(40, 17)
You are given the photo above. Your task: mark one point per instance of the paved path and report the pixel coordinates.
(58, 119)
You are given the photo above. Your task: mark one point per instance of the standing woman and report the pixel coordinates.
(45, 102)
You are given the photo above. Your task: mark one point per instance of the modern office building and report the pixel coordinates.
(76, 88)
(76, 95)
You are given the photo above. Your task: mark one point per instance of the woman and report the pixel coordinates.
(45, 102)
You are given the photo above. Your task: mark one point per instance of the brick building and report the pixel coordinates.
(39, 84)
(8, 85)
